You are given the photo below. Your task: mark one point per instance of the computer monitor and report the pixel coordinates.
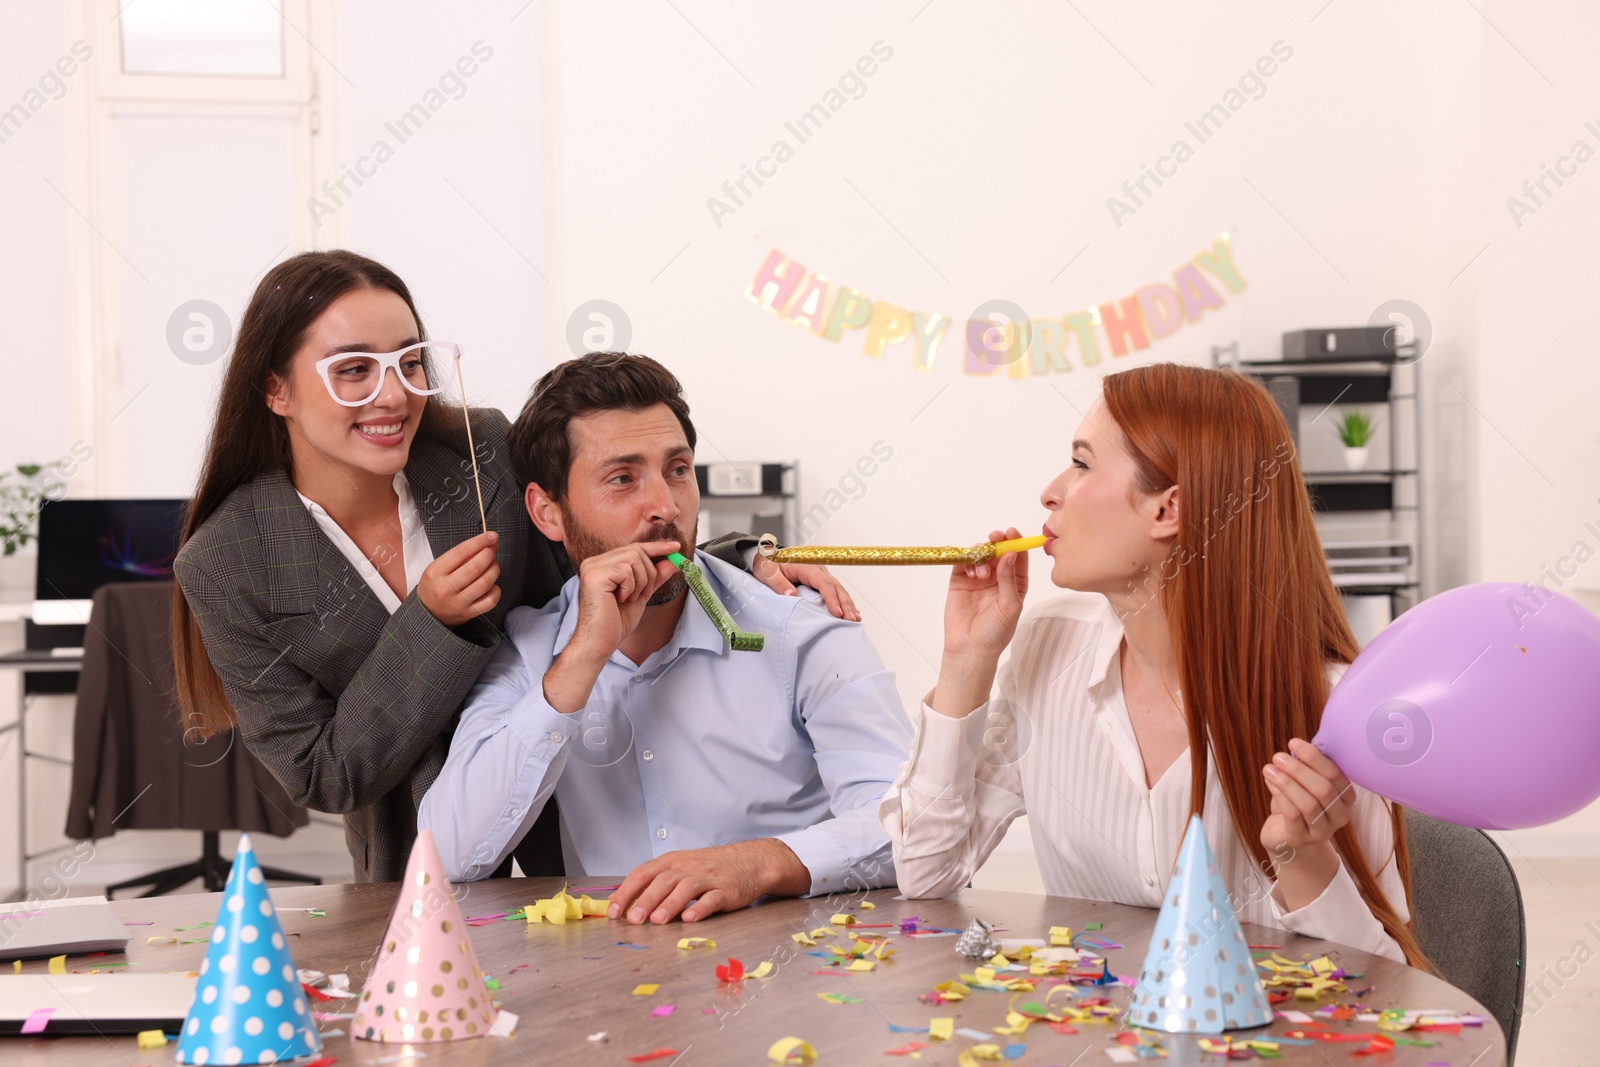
(86, 543)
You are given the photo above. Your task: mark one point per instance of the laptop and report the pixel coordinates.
(87, 543)
(69, 926)
(94, 1004)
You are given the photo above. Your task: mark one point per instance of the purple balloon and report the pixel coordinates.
(1480, 706)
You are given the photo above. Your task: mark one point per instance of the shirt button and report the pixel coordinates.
(648, 755)
(662, 833)
(556, 735)
(516, 812)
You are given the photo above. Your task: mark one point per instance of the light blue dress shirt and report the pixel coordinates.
(696, 746)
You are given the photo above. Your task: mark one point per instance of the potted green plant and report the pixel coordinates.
(1355, 430)
(22, 491)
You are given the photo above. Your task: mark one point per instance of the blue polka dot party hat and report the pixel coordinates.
(1198, 976)
(248, 1006)
(426, 984)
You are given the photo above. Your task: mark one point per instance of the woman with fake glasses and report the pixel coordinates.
(341, 593)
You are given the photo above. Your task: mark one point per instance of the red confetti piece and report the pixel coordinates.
(733, 971)
(646, 1057)
(1380, 1043)
(1062, 1028)
(905, 1049)
(1324, 1035)
(315, 994)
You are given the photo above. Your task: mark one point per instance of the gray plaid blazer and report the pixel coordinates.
(351, 708)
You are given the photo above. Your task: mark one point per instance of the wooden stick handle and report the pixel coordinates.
(471, 448)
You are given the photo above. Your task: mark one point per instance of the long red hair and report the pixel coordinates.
(1254, 615)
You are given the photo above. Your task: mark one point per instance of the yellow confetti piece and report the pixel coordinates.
(564, 907)
(861, 965)
(844, 919)
(985, 975)
(822, 931)
(551, 910)
(152, 1039)
(869, 905)
(985, 1051)
(762, 971)
(696, 942)
(999, 962)
(1016, 1024)
(647, 989)
(883, 951)
(791, 1050)
(952, 990)
(803, 938)
(58, 964)
(16, 966)
(1061, 937)
(941, 1029)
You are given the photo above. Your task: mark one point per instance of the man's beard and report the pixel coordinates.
(581, 544)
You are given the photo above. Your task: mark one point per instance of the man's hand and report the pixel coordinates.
(703, 881)
(613, 590)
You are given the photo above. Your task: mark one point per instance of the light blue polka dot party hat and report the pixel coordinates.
(248, 1006)
(1198, 976)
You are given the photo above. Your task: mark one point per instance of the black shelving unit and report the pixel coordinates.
(726, 488)
(1309, 390)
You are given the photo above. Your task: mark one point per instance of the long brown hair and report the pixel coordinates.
(248, 440)
(1254, 616)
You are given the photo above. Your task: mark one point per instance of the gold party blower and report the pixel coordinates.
(899, 556)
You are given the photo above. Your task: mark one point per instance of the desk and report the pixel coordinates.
(579, 981)
(29, 662)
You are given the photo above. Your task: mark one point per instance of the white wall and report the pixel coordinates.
(459, 209)
(33, 291)
(977, 165)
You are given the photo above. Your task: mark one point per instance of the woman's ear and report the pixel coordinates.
(277, 394)
(545, 513)
(1167, 521)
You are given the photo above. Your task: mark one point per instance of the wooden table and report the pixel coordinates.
(579, 981)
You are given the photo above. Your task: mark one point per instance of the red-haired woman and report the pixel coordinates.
(1181, 675)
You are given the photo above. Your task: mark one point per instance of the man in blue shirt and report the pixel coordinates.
(714, 777)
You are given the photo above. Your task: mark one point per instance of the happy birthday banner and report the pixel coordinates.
(1021, 345)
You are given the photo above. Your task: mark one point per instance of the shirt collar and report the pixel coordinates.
(1107, 642)
(694, 630)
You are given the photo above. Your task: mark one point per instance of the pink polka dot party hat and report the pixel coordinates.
(426, 984)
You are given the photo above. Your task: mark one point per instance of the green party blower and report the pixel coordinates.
(737, 639)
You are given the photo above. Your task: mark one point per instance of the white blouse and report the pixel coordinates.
(413, 544)
(1058, 745)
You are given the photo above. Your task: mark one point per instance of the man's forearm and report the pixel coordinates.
(784, 875)
(571, 678)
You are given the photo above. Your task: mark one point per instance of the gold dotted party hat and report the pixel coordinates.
(426, 984)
